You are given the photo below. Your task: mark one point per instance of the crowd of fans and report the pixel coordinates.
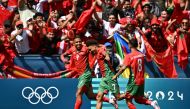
(47, 27)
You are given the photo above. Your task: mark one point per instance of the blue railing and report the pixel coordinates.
(45, 64)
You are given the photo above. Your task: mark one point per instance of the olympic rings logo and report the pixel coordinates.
(40, 94)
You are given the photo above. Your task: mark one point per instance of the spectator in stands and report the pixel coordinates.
(146, 24)
(5, 34)
(7, 28)
(184, 4)
(166, 23)
(156, 37)
(110, 26)
(6, 12)
(7, 51)
(16, 17)
(128, 10)
(114, 57)
(184, 31)
(52, 19)
(62, 6)
(20, 38)
(48, 45)
(110, 7)
(131, 31)
(26, 10)
(65, 24)
(39, 27)
(164, 16)
(146, 13)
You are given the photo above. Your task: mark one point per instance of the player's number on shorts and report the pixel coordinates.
(139, 65)
(113, 86)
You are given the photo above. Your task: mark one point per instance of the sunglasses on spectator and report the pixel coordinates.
(20, 26)
(184, 22)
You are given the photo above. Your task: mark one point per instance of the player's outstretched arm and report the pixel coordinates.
(123, 67)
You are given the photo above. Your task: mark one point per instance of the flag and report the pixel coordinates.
(121, 43)
(163, 60)
(182, 51)
(83, 20)
(122, 49)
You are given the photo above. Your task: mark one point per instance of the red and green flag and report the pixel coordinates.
(164, 60)
(182, 51)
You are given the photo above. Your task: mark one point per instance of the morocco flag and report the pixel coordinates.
(182, 51)
(83, 20)
(164, 60)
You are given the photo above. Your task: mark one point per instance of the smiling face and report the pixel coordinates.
(185, 24)
(154, 27)
(164, 15)
(112, 19)
(78, 43)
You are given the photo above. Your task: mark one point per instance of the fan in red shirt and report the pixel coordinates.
(62, 6)
(7, 52)
(135, 86)
(156, 37)
(6, 12)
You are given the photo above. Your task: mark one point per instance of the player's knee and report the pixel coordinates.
(78, 93)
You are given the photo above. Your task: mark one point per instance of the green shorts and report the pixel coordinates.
(107, 84)
(85, 79)
(134, 90)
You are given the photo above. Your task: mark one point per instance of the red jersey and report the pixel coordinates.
(135, 60)
(79, 59)
(105, 66)
(7, 52)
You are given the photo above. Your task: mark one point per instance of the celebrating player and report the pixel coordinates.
(106, 84)
(135, 86)
(81, 68)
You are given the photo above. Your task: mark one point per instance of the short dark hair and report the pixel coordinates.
(77, 36)
(38, 14)
(91, 42)
(133, 42)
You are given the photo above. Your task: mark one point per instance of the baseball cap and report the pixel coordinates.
(19, 23)
(154, 21)
(108, 44)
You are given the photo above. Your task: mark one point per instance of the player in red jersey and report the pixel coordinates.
(80, 66)
(135, 86)
(107, 72)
